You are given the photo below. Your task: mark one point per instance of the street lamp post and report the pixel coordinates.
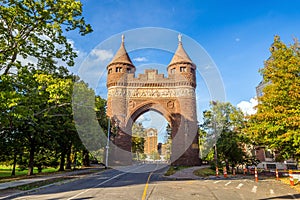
(215, 132)
(107, 144)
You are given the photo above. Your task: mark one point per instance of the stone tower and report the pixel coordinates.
(173, 96)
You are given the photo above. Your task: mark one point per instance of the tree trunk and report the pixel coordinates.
(13, 172)
(62, 161)
(69, 162)
(227, 166)
(75, 160)
(40, 168)
(31, 158)
(86, 158)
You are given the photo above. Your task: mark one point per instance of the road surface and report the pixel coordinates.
(147, 182)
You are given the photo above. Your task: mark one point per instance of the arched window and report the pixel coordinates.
(118, 69)
(182, 69)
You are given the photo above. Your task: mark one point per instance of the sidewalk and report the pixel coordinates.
(29, 180)
(187, 173)
(7, 189)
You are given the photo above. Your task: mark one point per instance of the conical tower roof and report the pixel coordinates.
(180, 55)
(121, 56)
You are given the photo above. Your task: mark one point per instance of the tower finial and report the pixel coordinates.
(123, 38)
(179, 38)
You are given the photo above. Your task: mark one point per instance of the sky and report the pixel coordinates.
(236, 35)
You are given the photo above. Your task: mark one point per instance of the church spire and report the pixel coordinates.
(121, 57)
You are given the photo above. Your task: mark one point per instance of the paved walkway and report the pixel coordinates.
(187, 173)
(21, 182)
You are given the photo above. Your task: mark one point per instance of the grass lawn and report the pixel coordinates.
(204, 172)
(5, 171)
(173, 169)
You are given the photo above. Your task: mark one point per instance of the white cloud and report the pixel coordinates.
(102, 55)
(248, 106)
(140, 59)
(143, 118)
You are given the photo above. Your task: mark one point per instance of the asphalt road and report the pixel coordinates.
(147, 182)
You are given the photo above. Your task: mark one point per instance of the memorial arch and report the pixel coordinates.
(129, 96)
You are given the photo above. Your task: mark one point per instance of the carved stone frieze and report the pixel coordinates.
(151, 92)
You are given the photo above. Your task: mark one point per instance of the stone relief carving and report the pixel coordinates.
(131, 104)
(170, 104)
(151, 92)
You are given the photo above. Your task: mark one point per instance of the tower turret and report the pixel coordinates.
(181, 66)
(119, 66)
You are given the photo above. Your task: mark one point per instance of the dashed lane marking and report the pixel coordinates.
(239, 186)
(254, 189)
(85, 191)
(101, 178)
(228, 183)
(272, 191)
(216, 182)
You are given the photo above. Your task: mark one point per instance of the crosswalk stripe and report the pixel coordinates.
(254, 189)
(228, 183)
(239, 186)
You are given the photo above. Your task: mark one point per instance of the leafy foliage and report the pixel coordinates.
(222, 126)
(36, 124)
(277, 121)
(32, 33)
(138, 139)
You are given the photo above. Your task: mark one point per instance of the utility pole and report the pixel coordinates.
(215, 132)
(107, 144)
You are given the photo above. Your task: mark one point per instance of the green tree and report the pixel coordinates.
(223, 124)
(88, 110)
(138, 139)
(154, 155)
(34, 31)
(277, 121)
(35, 93)
(168, 142)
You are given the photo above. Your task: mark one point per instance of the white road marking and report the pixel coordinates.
(216, 182)
(100, 178)
(239, 186)
(95, 186)
(228, 183)
(272, 191)
(254, 189)
(101, 183)
(292, 195)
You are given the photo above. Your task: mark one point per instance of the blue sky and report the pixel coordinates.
(236, 34)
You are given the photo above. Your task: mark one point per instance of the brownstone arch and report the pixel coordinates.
(173, 96)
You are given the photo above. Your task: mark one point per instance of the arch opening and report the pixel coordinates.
(151, 138)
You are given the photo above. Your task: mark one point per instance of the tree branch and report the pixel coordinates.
(52, 107)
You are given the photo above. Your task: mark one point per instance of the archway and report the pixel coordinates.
(173, 97)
